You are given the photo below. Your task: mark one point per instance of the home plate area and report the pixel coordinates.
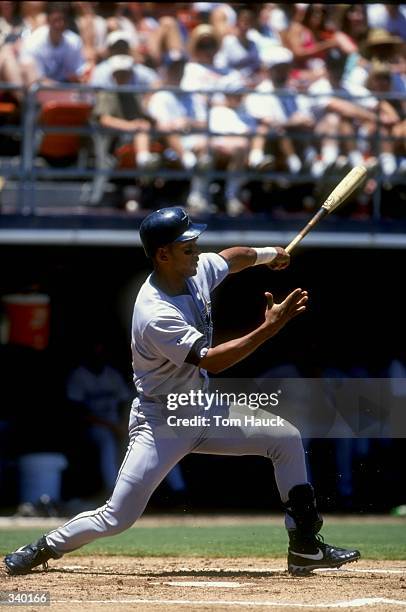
(165, 583)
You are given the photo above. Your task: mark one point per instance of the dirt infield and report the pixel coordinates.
(216, 585)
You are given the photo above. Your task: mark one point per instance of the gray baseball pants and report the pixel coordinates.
(155, 447)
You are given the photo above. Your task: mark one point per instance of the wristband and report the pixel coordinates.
(265, 255)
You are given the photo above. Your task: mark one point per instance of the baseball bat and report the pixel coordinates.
(344, 189)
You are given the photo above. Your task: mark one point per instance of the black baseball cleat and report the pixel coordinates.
(24, 559)
(303, 560)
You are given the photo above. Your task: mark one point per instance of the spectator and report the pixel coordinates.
(124, 113)
(175, 111)
(222, 17)
(272, 20)
(310, 39)
(119, 43)
(11, 24)
(339, 114)
(238, 50)
(353, 21)
(52, 53)
(33, 16)
(390, 17)
(92, 29)
(283, 115)
(118, 20)
(200, 71)
(159, 29)
(236, 134)
(380, 80)
(11, 27)
(100, 394)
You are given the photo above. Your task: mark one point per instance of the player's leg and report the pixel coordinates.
(153, 450)
(231, 433)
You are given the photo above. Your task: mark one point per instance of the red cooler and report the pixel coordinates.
(27, 319)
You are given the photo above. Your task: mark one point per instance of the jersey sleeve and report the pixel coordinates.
(214, 267)
(171, 337)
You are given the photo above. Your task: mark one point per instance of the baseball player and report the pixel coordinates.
(172, 353)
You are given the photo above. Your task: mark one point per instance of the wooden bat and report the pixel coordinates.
(344, 189)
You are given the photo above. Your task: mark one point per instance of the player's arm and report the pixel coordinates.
(238, 258)
(225, 355)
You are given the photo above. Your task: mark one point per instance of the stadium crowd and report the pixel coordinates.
(300, 89)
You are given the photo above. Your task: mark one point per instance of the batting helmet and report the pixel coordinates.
(165, 226)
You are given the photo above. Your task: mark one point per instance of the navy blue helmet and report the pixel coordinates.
(165, 226)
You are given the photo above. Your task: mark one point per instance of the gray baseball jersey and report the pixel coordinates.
(165, 328)
(163, 332)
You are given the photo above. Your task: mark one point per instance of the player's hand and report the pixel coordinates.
(277, 315)
(281, 261)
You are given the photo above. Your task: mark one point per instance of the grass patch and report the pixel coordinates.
(375, 541)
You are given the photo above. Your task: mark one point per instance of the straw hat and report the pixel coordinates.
(198, 34)
(378, 37)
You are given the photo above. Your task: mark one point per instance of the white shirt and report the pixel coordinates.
(233, 54)
(142, 76)
(263, 106)
(224, 120)
(207, 78)
(53, 62)
(167, 106)
(165, 328)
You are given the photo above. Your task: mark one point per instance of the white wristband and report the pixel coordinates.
(265, 255)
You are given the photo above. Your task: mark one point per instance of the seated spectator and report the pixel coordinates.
(221, 16)
(123, 112)
(33, 15)
(11, 24)
(383, 47)
(390, 17)
(380, 81)
(352, 19)
(52, 53)
(200, 72)
(238, 50)
(117, 19)
(92, 29)
(235, 137)
(11, 28)
(159, 29)
(174, 111)
(339, 114)
(272, 20)
(311, 38)
(283, 116)
(119, 43)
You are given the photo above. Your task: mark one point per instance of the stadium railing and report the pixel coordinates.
(28, 169)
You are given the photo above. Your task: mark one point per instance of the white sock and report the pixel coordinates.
(355, 158)
(255, 157)
(329, 153)
(189, 160)
(294, 164)
(143, 158)
(388, 163)
(318, 168)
